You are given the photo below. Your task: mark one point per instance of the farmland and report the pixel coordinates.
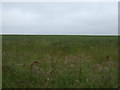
(59, 61)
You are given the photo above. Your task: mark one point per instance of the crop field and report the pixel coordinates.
(59, 61)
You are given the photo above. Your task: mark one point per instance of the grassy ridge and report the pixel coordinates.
(66, 61)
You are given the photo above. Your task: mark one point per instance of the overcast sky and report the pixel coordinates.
(60, 18)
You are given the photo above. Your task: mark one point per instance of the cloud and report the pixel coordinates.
(60, 18)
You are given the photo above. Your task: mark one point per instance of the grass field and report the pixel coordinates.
(59, 61)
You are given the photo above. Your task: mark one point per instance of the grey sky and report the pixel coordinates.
(60, 18)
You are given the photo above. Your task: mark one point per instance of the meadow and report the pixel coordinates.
(59, 61)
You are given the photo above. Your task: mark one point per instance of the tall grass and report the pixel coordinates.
(51, 61)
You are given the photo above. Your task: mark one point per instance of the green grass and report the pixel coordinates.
(63, 61)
